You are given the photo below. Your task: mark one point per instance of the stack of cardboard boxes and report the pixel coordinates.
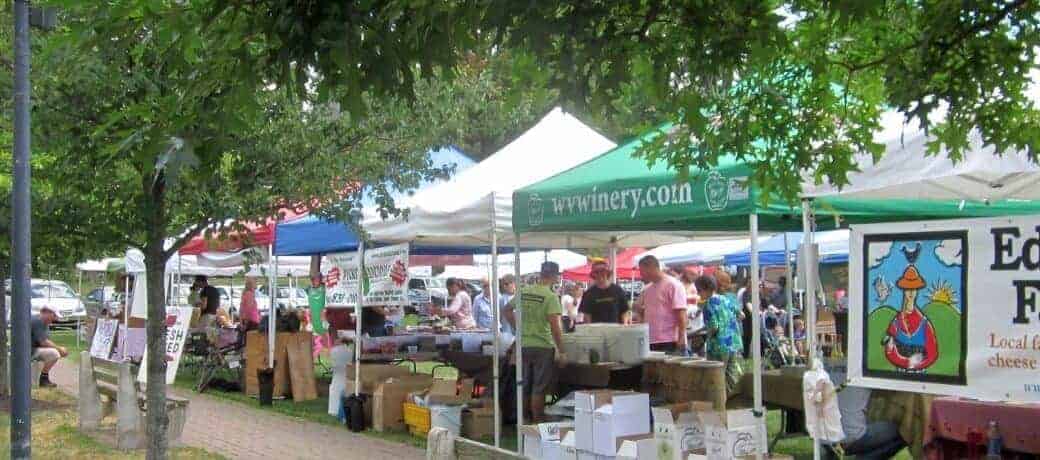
(389, 386)
(616, 425)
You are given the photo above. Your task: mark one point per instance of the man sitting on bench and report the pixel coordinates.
(43, 349)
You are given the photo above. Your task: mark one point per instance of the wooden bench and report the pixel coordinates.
(118, 384)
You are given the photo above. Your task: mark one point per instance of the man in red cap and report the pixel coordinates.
(910, 343)
(604, 301)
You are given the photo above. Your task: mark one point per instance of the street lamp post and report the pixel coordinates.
(21, 249)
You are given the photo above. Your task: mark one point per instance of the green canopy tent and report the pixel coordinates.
(618, 193)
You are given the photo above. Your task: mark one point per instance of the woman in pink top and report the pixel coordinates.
(460, 311)
(247, 309)
(664, 307)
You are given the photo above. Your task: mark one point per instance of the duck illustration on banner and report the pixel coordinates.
(915, 326)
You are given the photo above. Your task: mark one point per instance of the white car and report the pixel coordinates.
(55, 294)
(287, 298)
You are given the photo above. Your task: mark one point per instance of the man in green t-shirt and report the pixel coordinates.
(316, 300)
(541, 335)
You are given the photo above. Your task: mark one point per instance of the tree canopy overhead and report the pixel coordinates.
(789, 85)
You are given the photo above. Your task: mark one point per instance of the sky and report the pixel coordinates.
(930, 266)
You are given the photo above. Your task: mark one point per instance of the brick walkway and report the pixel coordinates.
(238, 431)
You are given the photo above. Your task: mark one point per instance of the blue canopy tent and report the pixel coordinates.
(314, 235)
(833, 249)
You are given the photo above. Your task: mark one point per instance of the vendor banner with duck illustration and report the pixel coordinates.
(947, 307)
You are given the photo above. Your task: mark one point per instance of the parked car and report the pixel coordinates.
(287, 297)
(423, 290)
(104, 300)
(55, 294)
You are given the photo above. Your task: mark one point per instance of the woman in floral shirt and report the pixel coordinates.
(724, 342)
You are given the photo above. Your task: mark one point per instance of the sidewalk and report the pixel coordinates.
(238, 431)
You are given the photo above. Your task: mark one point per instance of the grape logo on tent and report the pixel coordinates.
(716, 191)
(536, 213)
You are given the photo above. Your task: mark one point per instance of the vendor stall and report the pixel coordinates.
(617, 193)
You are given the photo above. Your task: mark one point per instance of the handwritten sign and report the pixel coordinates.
(104, 337)
(949, 307)
(177, 324)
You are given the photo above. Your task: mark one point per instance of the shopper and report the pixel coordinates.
(43, 349)
(863, 439)
(570, 300)
(460, 310)
(694, 314)
(664, 307)
(248, 311)
(316, 302)
(604, 301)
(541, 335)
(482, 310)
(506, 291)
(724, 341)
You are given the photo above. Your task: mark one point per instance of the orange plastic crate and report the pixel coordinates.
(417, 418)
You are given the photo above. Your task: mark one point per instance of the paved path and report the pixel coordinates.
(238, 431)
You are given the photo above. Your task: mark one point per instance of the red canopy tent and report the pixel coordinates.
(627, 267)
(253, 235)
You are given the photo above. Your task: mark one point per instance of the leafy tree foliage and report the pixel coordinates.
(793, 85)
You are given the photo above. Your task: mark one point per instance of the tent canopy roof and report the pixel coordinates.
(617, 192)
(465, 210)
(907, 171)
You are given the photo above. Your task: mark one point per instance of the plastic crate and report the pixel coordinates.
(417, 418)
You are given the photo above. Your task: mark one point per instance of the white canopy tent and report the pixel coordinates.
(907, 171)
(465, 211)
(475, 208)
(530, 262)
(699, 251)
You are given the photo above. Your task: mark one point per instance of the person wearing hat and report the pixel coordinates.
(541, 335)
(43, 349)
(604, 301)
(910, 343)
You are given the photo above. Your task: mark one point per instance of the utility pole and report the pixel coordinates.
(21, 249)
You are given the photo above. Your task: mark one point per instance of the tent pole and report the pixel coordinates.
(810, 296)
(126, 311)
(357, 317)
(180, 277)
(79, 293)
(787, 289)
(272, 310)
(517, 342)
(756, 320)
(613, 260)
(810, 283)
(495, 323)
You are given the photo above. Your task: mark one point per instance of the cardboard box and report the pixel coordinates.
(733, 434)
(537, 438)
(561, 449)
(601, 417)
(478, 422)
(568, 451)
(372, 375)
(386, 401)
(450, 392)
(678, 429)
(638, 448)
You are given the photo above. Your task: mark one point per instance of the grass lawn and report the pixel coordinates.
(55, 434)
(315, 411)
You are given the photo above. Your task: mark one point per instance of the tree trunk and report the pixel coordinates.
(155, 266)
(5, 390)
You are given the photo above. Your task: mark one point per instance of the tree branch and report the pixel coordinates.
(194, 231)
